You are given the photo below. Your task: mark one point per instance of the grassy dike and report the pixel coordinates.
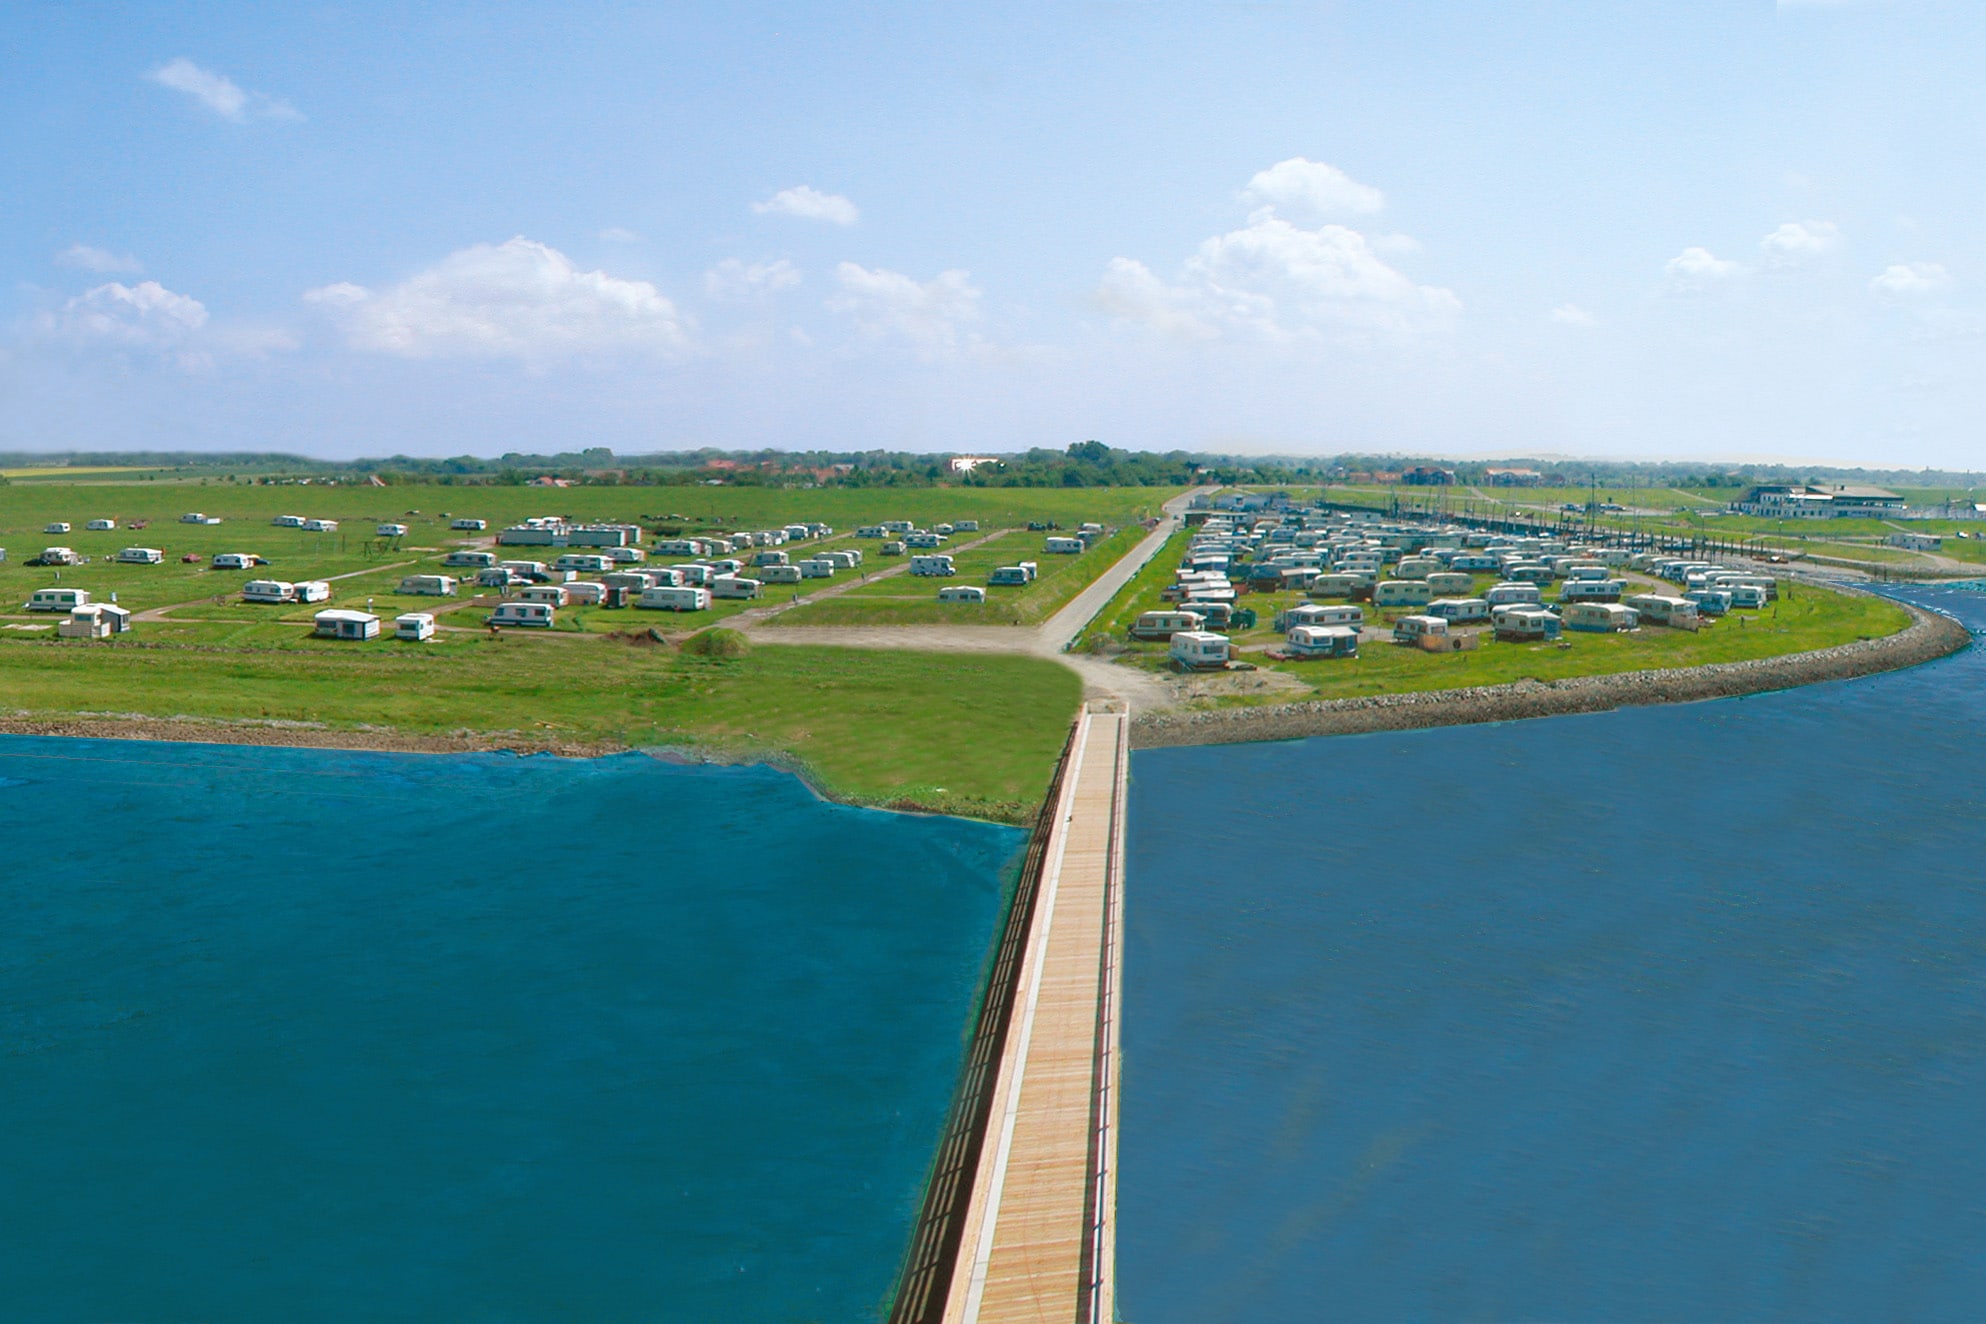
(975, 735)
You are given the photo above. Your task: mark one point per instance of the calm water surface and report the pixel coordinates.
(1663, 1014)
(312, 1035)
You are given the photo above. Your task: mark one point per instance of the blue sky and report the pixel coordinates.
(1730, 230)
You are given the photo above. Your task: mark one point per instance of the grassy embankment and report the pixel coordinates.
(964, 734)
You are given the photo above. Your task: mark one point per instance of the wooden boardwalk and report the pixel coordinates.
(1038, 1238)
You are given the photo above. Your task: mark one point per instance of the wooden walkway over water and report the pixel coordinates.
(1020, 1221)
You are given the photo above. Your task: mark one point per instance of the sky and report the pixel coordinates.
(1719, 231)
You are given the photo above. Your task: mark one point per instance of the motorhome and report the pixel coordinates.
(1522, 623)
(1322, 641)
(1460, 611)
(1401, 593)
(1199, 650)
(529, 615)
(1662, 609)
(936, 563)
(1165, 624)
(1592, 590)
(268, 590)
(675, 599)
(1599, 617)
(1412, 629)
(57, 599)
(734, 586)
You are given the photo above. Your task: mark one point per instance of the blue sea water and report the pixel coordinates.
(311, 1035)
(1660, 1014)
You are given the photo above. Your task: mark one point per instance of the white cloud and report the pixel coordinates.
(221, 94)
(1798, 243)
(929, 314)
(1276, 281)
(85, 258)
(809, 204)
(614, 234)
(1313, 190)
(1697, 269)
(146, 317)
(733, 279)
(1571, 314)
(1905, 280)
(518, 299)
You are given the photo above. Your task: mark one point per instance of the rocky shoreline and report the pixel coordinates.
(1928, 637)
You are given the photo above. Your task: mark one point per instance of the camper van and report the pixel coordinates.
(1523, 623)
(675, 599)
(429, 586)
(58, 599)
(961, 593)
(140, 556)
(1322, 641)
(342, 623)
(734, 586)
(1199, 650)
(937, 563)
(531, 615)
(1599, 617)
(1401, 593)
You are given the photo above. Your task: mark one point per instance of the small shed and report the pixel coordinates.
(344, 623)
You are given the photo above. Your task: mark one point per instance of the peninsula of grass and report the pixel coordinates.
(976, 735)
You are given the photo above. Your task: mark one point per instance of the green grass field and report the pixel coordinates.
(975, 735)
(907, 600)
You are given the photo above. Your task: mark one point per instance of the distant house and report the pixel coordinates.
(1513, 477)
(1819, 501)
(1917, 542)
(1424, 476)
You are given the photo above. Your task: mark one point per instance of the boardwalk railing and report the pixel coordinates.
(925, 1280)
